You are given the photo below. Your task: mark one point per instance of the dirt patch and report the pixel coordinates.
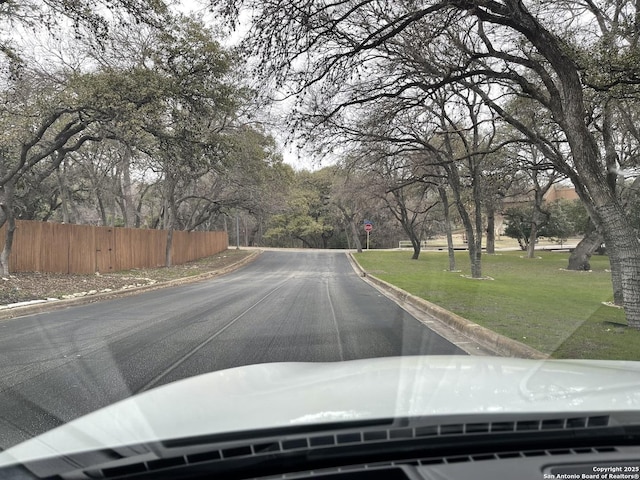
(22, 287)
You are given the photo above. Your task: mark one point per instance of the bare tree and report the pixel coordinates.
(499, 49)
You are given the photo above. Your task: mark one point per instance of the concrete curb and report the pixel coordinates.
(48, 306)
(491, 340)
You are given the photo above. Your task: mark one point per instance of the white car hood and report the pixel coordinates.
(284, 394)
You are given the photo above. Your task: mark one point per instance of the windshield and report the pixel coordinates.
(381, 210)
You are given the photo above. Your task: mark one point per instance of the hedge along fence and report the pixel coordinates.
(64, 248)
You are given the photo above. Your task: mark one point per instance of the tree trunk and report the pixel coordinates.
(356, 237)
(579, 258)
(615, 262)
(624, 258)
(167, 253)
(65, 201)
(533, 236)
(491, 229)
(611, 161)
(447, 227)
(8, 246)
(259, 234)
(6, 204)
(415, 243)
(325, 241)
(474, 253)
(169, 220)
(97, 190)
(129, 209)
(246, 231)
(305, 242)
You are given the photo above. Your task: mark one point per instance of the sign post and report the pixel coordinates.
(368, 226)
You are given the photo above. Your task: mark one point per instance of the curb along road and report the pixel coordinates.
(48, 306)
(492, 341)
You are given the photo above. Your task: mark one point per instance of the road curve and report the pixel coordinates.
(283, 307)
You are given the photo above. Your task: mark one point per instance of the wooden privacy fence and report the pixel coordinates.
(64, 248)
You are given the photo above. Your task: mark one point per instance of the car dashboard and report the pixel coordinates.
(488, 446)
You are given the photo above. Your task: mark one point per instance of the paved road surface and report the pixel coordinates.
(284, 307)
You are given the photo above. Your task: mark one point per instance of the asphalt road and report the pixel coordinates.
(283, 307)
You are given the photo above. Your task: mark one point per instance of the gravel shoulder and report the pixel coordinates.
(25, 287)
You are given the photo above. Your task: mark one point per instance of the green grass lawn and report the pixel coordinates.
(533, 301)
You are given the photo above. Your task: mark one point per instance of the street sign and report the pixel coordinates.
(368, 226)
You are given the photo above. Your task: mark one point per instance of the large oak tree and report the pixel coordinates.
(336, 54)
